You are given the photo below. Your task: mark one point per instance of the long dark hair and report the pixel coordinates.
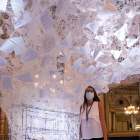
(96, 98)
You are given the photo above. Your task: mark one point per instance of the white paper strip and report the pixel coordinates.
(45, 20)
(26, 77)
(121, 33)
(78, 88)
(66, 42)
(23, 20)
(8, 46)
(130, 42)
(132, 12)
(116, 53)
(48, 44)
(89, 70)
(84, 50)
(64, 59)
(93, 26)
(6, 81)
(77, 63)
(108, 10)
(30, 55)
(100, 64)
(46, 60)
(126, 63)
(21, 48)
(3, 61)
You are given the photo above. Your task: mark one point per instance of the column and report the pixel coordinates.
(114, 121)
(102, 98)
(132, 122)
(110, 121)
(2, 122)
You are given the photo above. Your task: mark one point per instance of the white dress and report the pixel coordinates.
(91, 128)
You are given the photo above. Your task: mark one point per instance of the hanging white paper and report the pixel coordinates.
(23, 20)
(72, 9)
(101, 74)
(51, 72)
(46, 60)
(135, 29)
(89, 70)
(100, 64)
(116, 53)
(8, 46)
(6, 81)
(126, 63)
(26, 77)
(102, 38)
(64, 59)
(108, 10)
(91, 80)
(30, 55)
(3, 4)
(84, 50)
(3, 61)
(78, 88)
(3, 73)
(111, 78)
(97, 54)
(21, 48)
(121, 33)
(45, 20)
(130, 42)
(61, 7)
(92, 53)
(48, 44)
(132, 12)
(93, 26)
(83, 18)
(66, 42)
(135, 51)
(77, 63)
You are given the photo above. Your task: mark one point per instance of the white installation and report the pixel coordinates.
(51, 50)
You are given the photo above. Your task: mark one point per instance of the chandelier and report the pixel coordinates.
(131, 109)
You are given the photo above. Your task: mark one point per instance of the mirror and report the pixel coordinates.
(122, 116)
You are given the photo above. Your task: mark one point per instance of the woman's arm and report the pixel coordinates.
(102, 118)
(80, 133)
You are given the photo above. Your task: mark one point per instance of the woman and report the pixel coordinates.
(93, 126)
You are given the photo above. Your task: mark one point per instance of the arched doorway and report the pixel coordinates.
(3, 126)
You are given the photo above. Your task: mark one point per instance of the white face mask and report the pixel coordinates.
(89, 95)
